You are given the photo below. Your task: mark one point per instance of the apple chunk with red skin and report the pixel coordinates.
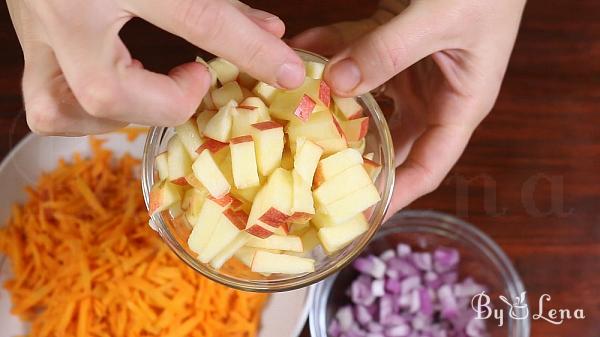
(272, 204)
(301, 102)
(321, 128)
(335, 164)
(162, 196)
(355, 129)
(243, 162)
(348, 107)
(268, 142)
(178, 160)
(302, 200)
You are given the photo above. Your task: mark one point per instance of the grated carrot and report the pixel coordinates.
(85, 262)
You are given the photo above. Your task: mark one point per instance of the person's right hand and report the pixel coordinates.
(79, 77)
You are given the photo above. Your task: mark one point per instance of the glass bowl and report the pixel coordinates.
(175, 235)
(481, 258)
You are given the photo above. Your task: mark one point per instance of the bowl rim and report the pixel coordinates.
(154, 137)
(446, 223)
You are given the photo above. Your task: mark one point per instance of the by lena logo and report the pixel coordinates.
(518, 309)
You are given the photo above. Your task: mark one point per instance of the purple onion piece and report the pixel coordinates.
(388, 254)
(425, 302)
(362, 314)
(398, 331)
(403, 250)
(468, 288)
(475, 328)
(345, 318)
(378, 288)
(402, 266)
(360, 291)
(386, 307)
(410, 283)
(445, 258)
(374, 327)
(393, 320)
(334, 329)
(393, 286)
(423, 261)
(448, 301)
(370, 265)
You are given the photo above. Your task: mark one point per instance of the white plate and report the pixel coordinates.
(284, 314)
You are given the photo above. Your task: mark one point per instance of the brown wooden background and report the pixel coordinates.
(530, 177)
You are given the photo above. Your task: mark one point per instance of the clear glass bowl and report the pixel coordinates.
(481, 258)
(378, 141)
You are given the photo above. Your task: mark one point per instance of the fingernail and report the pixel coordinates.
(290, 75)
(344, 76)
(262, 15)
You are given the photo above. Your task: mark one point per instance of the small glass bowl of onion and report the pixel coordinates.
(418, 277)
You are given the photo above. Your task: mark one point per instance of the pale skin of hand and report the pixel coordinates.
(442, 62)
(79, 77)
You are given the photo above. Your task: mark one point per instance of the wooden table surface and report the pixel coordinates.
(530, 177)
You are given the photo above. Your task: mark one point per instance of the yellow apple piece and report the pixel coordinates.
(224, 255)
(320, 126)
(334, 238)
(289, 243)
(202, 119)
(162, 196)
(178, 160)
(230, 91)
(162, 166)
(261, 109)
(336, 163)
(190, 137)
(355, 129)
(206, 170)
(266, 92)
(348, 107)
(272, 204)
(223, 234)
(210, 215)
(265, 262)
(302, 200)
(219, 126)
(225, 70)
(314, 70)
(373, 168)
(359, 145)
(341, 185)
(243, 118)
(307, 158)
(268, 142)
(243, 162)
(345, 208)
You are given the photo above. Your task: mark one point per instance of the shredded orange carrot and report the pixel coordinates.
(133, 132)
(85, 262)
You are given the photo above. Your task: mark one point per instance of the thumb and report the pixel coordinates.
(387, 50)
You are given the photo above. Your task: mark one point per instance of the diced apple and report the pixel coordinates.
(192, 203)
(345, 208)
(310, 240)
(224, 233)
(301, 102)
(268, 139)
(162, 196)
(314, 69)
(259, 105)
(305, 108)
(207, 103)
(336, 163)
(189, 136)
(341, 185)
(355, 129)
(320, 125)
(162, 166)
(210, 215)
(331, 146)
(203, 118)
(369, 156)
(175, 210)
(243, 118)
(289, 243)
(243, 160)
(211, 71)
(299, 228)
(214, 146)
(272, 203)
(246, 80)
(373, 168)
(265, 262)
(225, 70)
(228, 252)
(348, 107)
(207, 171)
(178, 160)
(358, 145)
(245, 255)
(230, 91)
(193, 181)
(219, 127)
(266, 92)
(259, 231)
(334, 238)
(302, 200)
(246, 194)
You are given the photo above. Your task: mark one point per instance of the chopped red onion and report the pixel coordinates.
(377, 288)
(402, 293)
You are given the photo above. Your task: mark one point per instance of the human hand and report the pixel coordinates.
(79, 77)
(442, 62)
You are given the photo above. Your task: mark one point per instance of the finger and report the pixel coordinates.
(50, 106)
(267, 21)
(431, 158)
(223, 30)
(378, 56)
